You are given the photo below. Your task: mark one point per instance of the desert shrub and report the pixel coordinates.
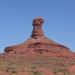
(13, 71)
(36, 73)
(60, 70)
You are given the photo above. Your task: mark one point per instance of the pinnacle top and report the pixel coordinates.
(38, 21)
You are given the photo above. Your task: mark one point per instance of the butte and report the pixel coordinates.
(38, 56)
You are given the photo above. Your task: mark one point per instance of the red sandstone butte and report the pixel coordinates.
(38, 55)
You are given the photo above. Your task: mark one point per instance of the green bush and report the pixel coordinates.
(36, 73)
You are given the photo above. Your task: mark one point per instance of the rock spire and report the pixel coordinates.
(37, 28)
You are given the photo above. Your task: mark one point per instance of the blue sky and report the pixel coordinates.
(16, 21)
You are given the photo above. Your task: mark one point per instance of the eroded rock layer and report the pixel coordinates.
(37, 56)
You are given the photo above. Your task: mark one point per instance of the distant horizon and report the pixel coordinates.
(16, 21)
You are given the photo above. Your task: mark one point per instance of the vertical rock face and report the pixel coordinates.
(37, 28)
(37, 56)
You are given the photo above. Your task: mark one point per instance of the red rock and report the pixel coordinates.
(44, 71)
(4, 73)
(39, 43)
(71, 69)
(38, 50)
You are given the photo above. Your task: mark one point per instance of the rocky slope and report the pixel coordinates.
(37, 56)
